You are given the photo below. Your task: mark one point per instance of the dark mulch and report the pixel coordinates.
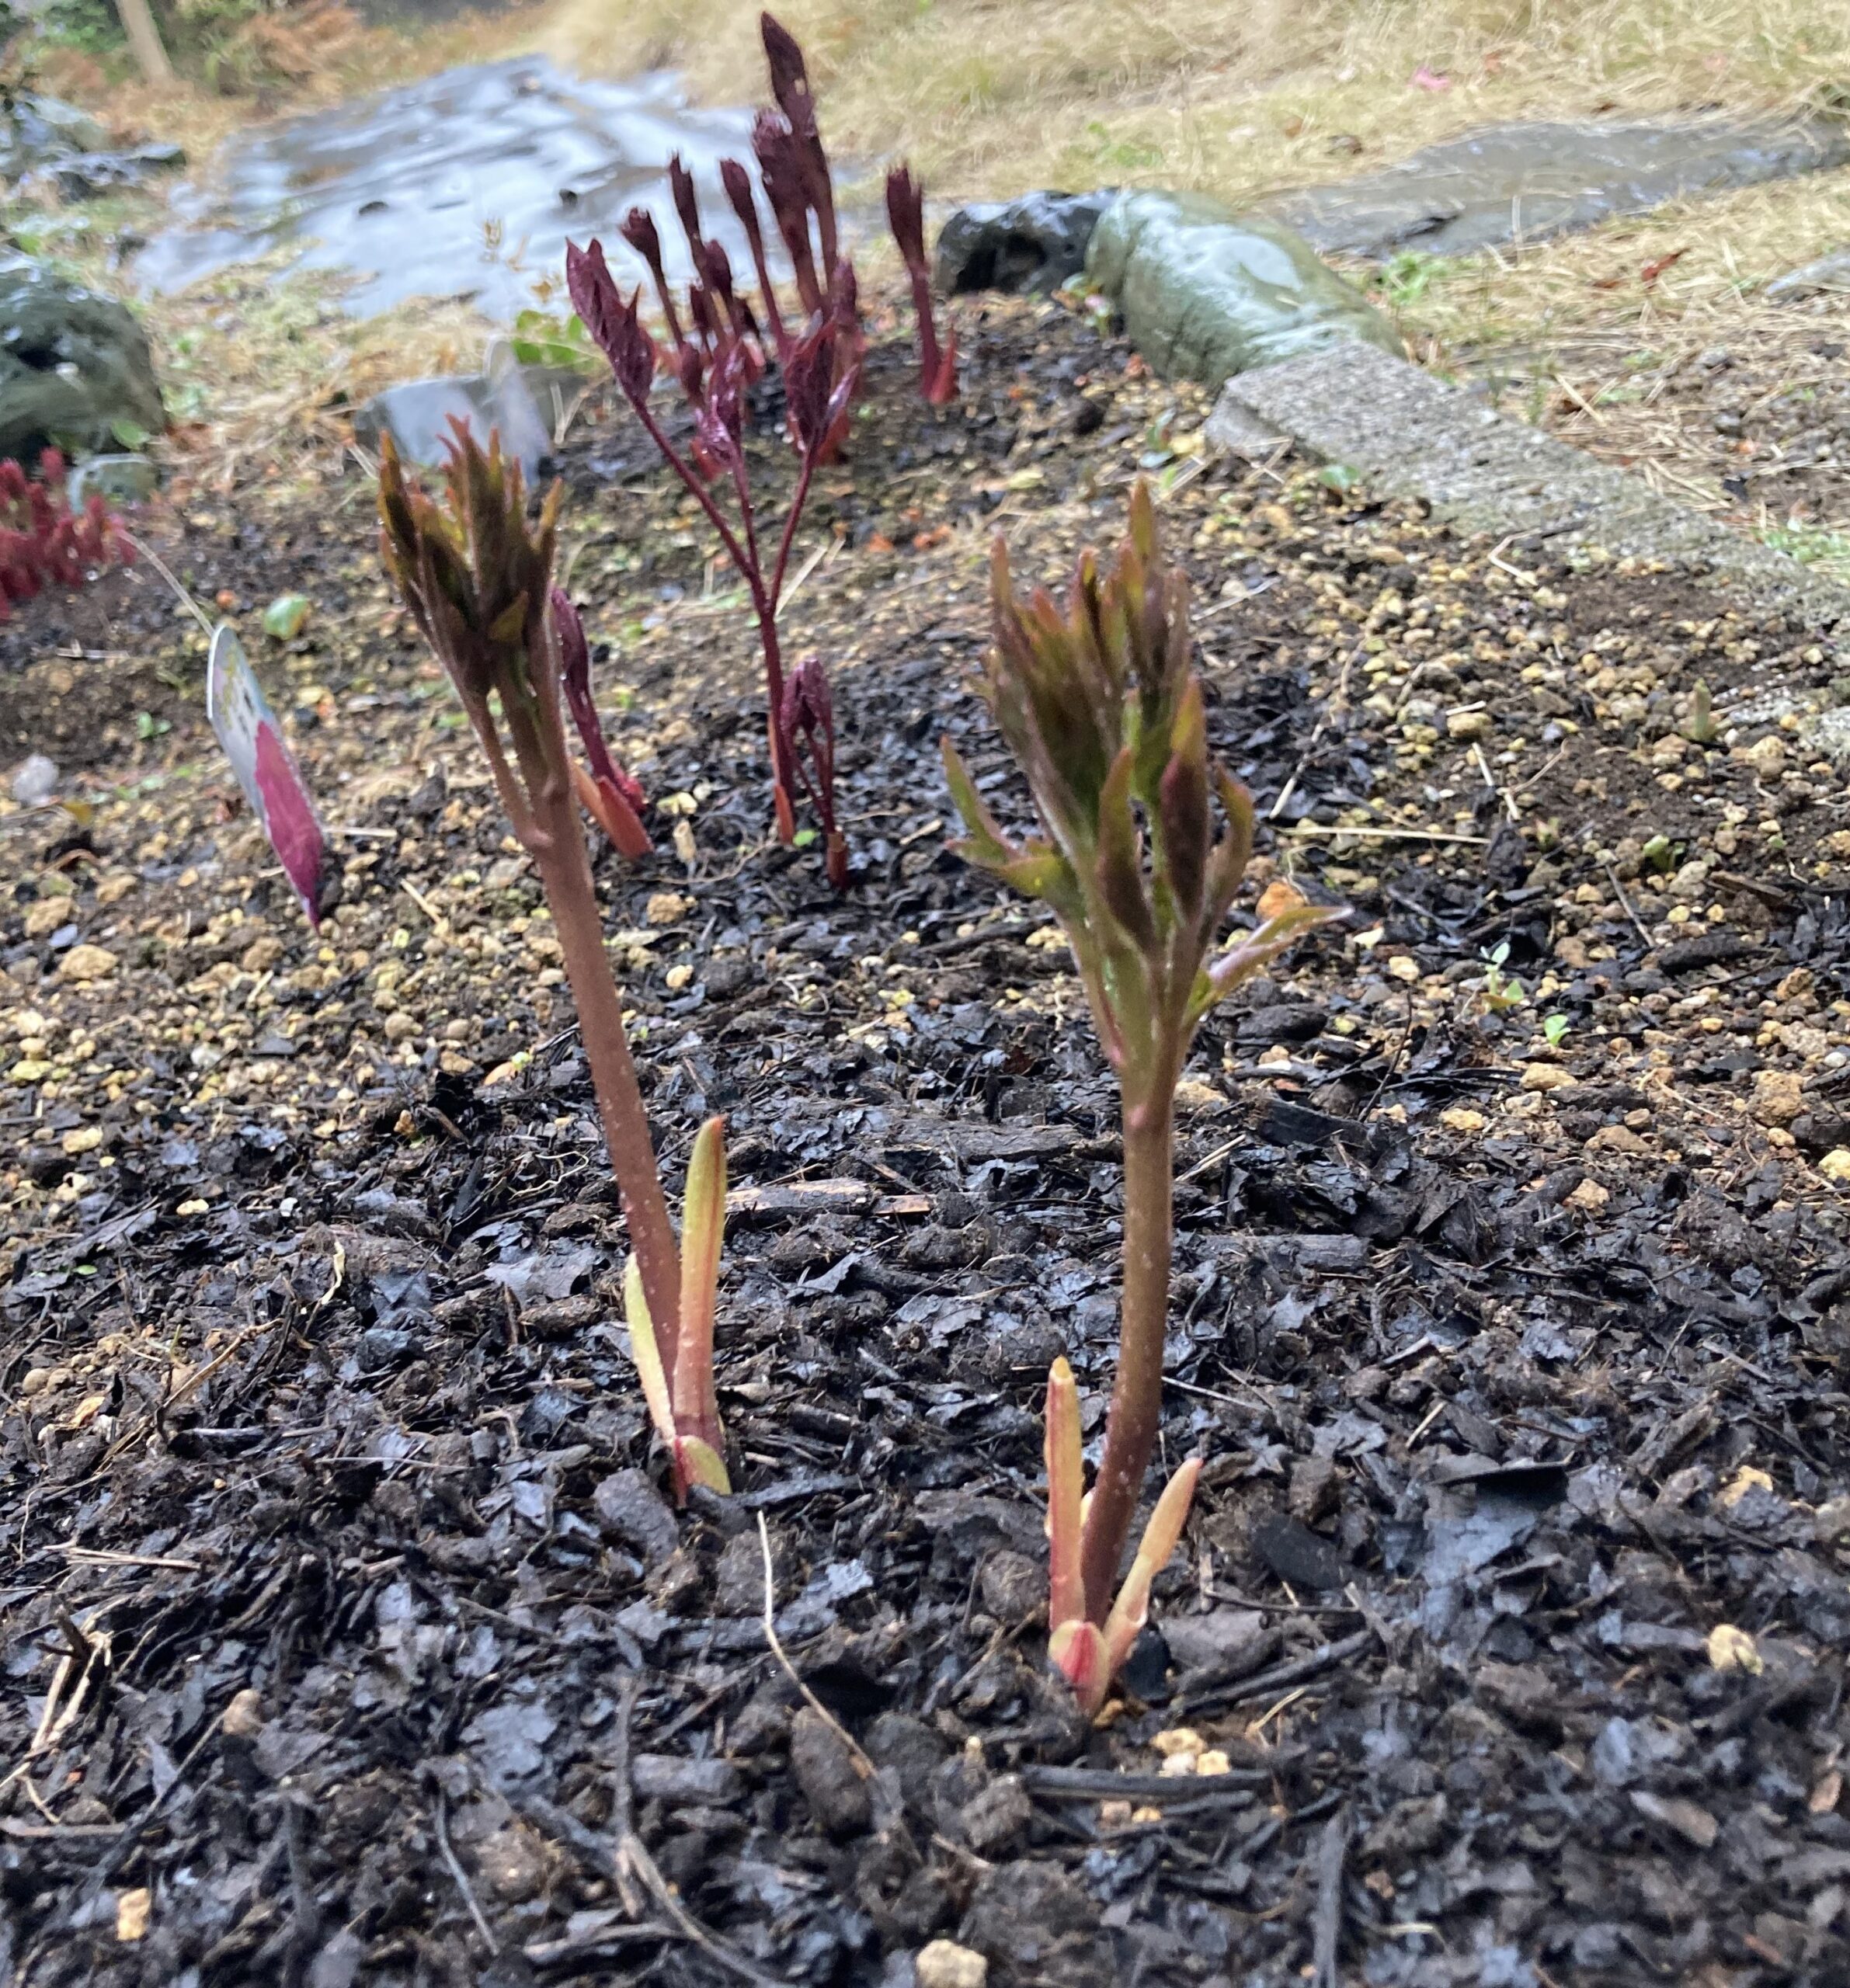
(345, 1617)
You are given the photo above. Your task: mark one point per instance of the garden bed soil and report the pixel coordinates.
(349, 1635)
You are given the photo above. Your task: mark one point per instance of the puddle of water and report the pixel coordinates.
(404, 186)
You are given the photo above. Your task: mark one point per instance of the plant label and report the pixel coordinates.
(266, 770)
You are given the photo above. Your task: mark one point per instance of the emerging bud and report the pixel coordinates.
(613, 798)
(1109, 723)
(686, 203)
(682, 1402)
(1087, 1655)
(616, 327)
(906, 217)
(476, 577)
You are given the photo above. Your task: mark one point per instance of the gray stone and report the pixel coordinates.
(1232, 430)
(631, 1509)
(36, 129)
(1828, 276)
(34, 780)
(49, 146)
(1234, 1640)
(117, 479)
(1526, 182)
(1206, 292)
(506, 401)
(1023, 247)
(75, 370)
(1409, 434)
(673, 1777)
(88, 176)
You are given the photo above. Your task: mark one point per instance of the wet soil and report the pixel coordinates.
(349, 1634)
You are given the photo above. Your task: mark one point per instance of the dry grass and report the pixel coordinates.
(991, 96)
(1594, 336)
(201, 119)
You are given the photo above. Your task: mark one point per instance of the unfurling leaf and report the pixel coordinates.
(646, 1352)
(1131, 1609)
(682, 1401)
(613, 798)
(1088, 1655)
(616, 327)
(1065, 1497)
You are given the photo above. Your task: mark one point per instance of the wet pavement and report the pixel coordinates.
(466, 183)
(1526, 182)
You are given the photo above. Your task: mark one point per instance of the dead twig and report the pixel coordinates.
(1327, 1924)
(1263, 1683)
(626, 1863)
(863, 1766)
(1624, 904)
(459, 1877)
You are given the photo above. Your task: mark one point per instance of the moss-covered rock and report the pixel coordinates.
(1206, 292)
(75, 370)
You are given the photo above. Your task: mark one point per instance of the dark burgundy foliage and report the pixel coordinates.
(719, 354)
(43, 541)
(906, 216)
(616, 799)
(615, 326)
(809, 724)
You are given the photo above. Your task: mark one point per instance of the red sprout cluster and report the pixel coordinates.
(720, 348)
(43, 541)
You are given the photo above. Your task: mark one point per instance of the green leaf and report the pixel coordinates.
(286, 616)
(1339, 476)
(131, 434)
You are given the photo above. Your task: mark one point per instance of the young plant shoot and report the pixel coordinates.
(613, 798)
(1101, 707)
(478, 578)
(906, 217)
(678, 1384)
(718, 350)
(816, 400)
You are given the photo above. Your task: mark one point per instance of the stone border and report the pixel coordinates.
(1411, 435)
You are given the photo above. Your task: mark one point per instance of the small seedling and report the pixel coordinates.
(1101, 709)
(1700, 727)
(1554, 1029)
(1501, 991)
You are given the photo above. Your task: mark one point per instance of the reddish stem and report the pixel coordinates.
(1137, 1394)
(555, 839)
(764, 601)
